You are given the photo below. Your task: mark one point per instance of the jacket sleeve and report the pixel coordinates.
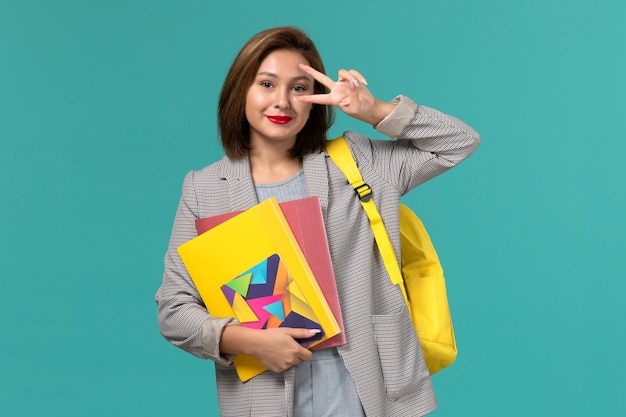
(428, 143)
(183, 318)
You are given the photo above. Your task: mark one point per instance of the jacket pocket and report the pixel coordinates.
(400, 354)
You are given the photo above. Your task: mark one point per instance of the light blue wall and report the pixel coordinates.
(105, 105)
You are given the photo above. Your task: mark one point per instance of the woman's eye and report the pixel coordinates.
(266, 84)
(299, 88)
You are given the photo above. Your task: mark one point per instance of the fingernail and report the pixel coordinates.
(314, 331)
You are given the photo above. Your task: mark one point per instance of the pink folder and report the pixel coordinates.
(304, 217)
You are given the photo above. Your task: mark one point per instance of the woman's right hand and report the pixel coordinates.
(277, 348)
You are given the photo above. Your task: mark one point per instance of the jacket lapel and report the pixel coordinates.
(240, 187)
(316, 177)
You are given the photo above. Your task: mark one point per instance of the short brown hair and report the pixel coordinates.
(233, 125)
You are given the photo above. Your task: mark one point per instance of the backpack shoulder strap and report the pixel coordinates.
(341, 155)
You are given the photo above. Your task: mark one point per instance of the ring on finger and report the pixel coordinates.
(355, 82)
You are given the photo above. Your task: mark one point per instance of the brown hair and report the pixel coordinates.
(233, 125)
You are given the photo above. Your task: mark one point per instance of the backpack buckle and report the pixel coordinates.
(363, 191)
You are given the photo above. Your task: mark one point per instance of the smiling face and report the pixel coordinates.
(271, 111)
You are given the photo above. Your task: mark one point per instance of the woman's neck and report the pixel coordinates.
(269, 167)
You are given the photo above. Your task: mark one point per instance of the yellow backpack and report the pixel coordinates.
(421, 281)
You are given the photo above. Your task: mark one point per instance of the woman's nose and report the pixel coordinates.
(281, 98)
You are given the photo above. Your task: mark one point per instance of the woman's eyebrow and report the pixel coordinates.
(297, 78)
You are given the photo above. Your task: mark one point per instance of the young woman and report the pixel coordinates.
(274, 113)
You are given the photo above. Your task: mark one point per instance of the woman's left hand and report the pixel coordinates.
(350, 94)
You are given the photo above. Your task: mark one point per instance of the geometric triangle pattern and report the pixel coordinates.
(241, 284)
(242, 309)
(258, 306)
(276, 309)
(266, 296)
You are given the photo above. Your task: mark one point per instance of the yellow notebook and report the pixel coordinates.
(251, 267)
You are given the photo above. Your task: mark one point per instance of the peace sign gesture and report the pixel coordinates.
(350, 94)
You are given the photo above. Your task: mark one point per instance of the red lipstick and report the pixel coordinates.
(279, 120)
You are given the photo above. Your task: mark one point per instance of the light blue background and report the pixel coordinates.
(105, 105)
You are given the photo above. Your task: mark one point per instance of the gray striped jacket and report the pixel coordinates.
(383, 355)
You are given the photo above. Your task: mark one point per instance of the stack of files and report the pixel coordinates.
(304, 217)
(252, 265)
